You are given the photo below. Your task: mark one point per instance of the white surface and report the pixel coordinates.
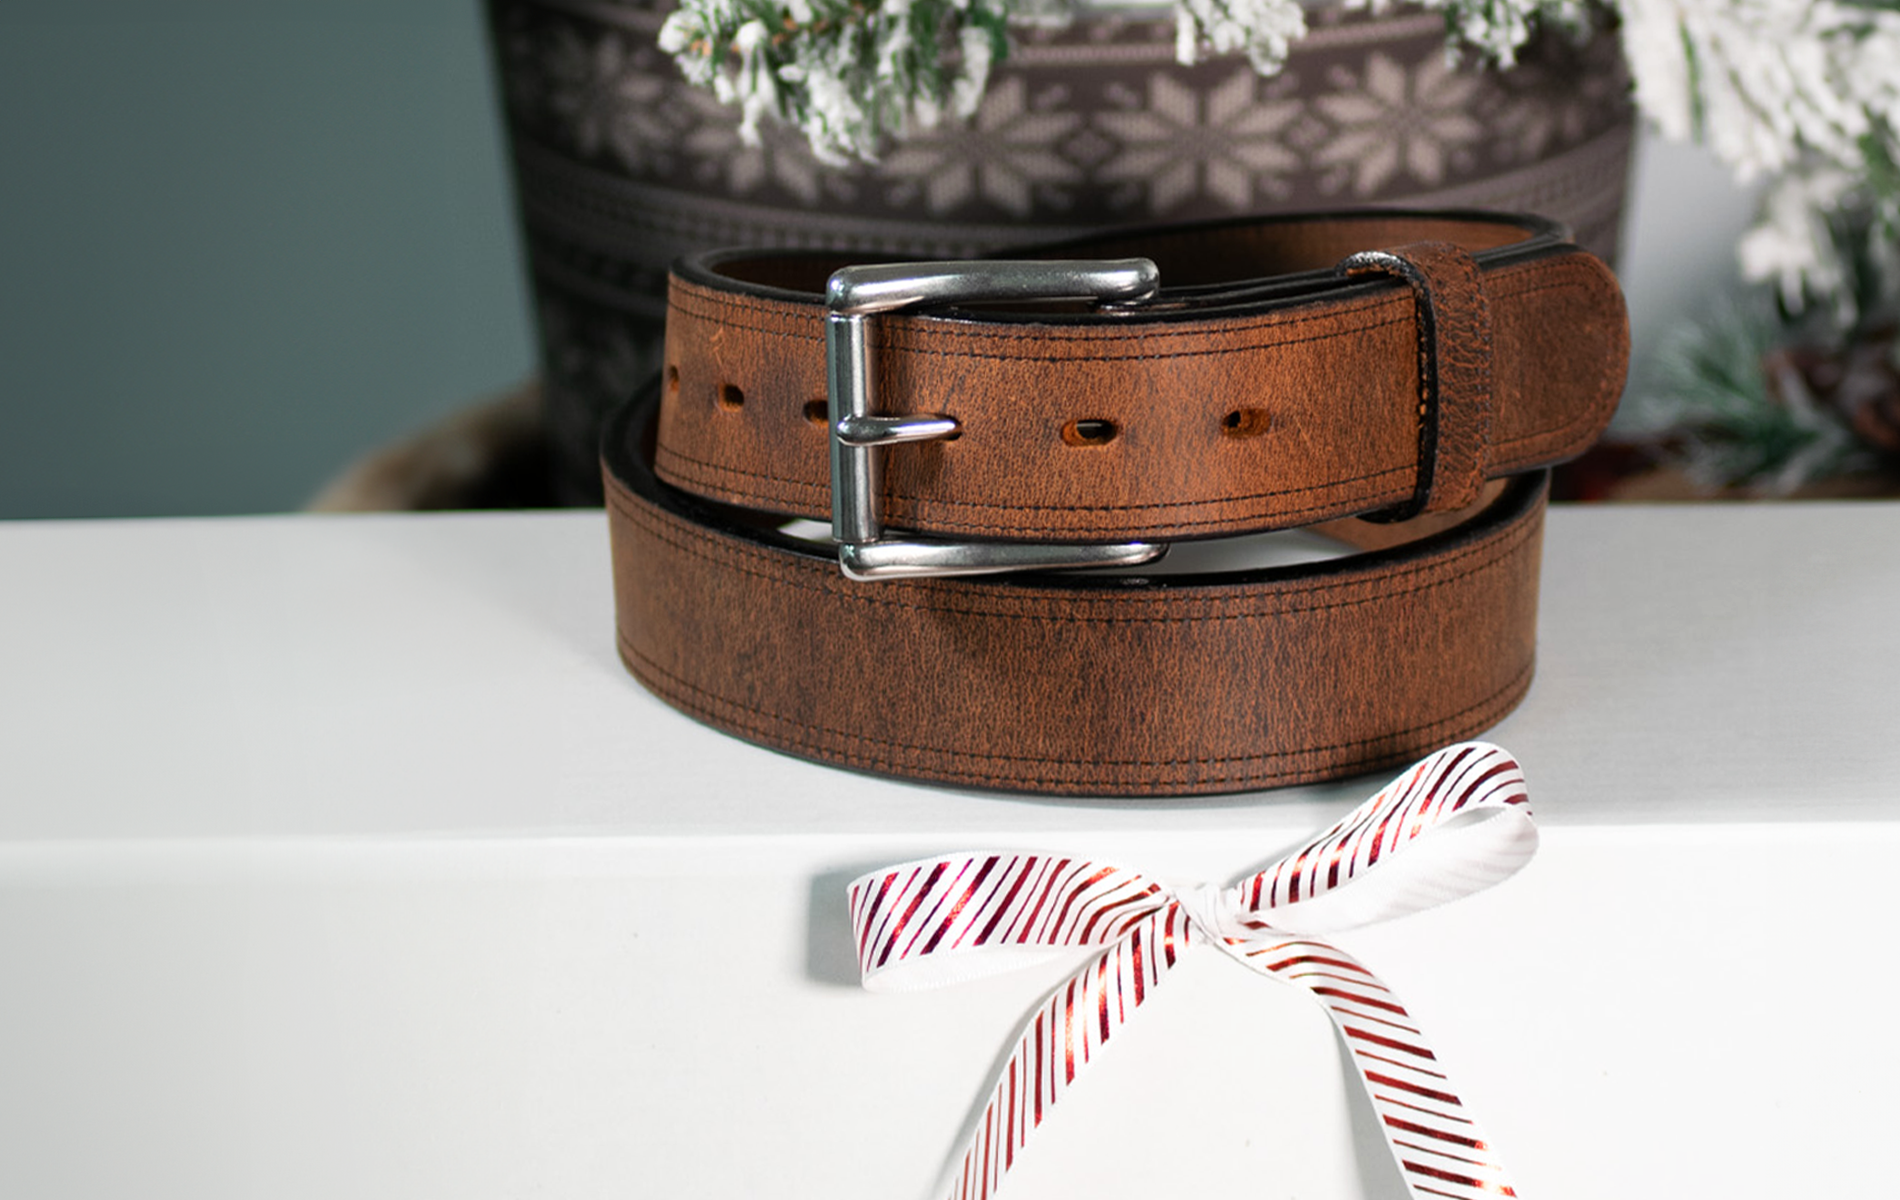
(340, 857)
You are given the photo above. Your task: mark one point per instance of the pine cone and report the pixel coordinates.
(1859, 381)
(1869, 395)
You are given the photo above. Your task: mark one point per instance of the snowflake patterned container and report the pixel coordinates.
(620, 166)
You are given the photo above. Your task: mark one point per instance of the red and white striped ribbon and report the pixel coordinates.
(1456, 823)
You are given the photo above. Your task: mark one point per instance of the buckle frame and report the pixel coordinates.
(852, 297)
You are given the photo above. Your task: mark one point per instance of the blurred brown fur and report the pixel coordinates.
(493, 454)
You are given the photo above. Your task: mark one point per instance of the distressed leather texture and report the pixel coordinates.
(1453, 321)
(1229, 416)
(1439, 376)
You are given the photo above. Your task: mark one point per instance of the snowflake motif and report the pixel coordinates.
(608, 98)
(1394, 120)
(782, 156)
(1006, 153)
(623, 361)
(1224, 148)
(1536, 117)
(597, 359)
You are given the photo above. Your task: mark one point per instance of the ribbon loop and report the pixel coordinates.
(1454, 824)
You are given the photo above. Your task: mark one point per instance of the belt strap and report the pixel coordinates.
(1454, 368)
(1281, 377)
(1263, 389)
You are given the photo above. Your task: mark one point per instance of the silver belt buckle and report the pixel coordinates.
(852, 297)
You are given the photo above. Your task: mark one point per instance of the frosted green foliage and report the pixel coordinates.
(1803, 95)
(847, 75)
(1263, 29)
(1498, 28)
(1760, 398)
(1737, 414)
(851, 75)
(1765, 82)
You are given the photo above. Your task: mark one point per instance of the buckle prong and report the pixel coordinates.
(889, 431)
(858, 430)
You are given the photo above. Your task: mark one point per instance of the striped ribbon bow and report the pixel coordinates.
(1454, 824)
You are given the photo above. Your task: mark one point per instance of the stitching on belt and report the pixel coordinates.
(1584, 275)
(706, 546)
(1368, 680)
(674, 457)
(1519, 680)
(1502, 547)
(1226, 330)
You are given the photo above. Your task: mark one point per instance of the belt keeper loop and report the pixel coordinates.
(1454, 369)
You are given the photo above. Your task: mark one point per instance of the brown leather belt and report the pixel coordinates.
(1412, 369)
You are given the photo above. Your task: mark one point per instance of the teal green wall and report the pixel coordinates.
(241, 242)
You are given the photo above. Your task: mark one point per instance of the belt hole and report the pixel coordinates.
(1089, 431)
(818, 412)
(730, 397)
(1246, 423)
(673, 378)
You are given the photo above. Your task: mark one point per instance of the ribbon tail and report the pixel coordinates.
(1437, 1143)
(1061, 1038)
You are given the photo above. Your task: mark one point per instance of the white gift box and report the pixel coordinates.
(339, 856)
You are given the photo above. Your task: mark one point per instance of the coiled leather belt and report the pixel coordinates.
(1413, 370)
